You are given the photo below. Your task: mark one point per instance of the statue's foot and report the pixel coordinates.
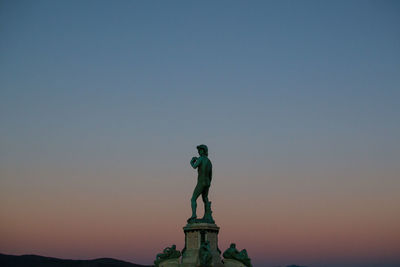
(208, 219)
(192, 218)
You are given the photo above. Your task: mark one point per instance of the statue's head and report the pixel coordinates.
(233, 245)
(173, 247)
(203, 150)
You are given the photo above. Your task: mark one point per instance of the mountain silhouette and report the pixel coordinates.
(40, 261)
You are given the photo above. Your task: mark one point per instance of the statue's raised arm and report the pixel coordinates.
(195, 162)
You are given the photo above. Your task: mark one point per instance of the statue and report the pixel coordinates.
(204, 169)
(168, 253)
(205, 254)
(233, 253)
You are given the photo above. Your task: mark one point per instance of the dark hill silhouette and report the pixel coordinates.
(40, 261)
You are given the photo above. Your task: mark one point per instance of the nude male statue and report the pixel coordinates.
(204, 169)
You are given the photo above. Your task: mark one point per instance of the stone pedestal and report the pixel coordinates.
(195, 235)
(170, 263)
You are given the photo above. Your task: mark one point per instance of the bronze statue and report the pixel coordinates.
(168, 253)
(233, 253)
(205, 254)
(204, 169)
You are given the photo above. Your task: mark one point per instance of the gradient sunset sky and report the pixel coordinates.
(102, 104)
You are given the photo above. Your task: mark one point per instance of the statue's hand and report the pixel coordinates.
(193, 159)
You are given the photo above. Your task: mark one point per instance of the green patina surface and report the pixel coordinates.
(205, 254)
(233, 253)
(204, 170)
(168, 253)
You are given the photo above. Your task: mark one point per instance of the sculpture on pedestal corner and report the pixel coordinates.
(233, 253)
(168, 253)
(205, 254)
(204, 169)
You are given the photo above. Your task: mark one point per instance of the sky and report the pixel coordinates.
(102, 104)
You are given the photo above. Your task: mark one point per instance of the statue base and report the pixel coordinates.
(170, 263)
(208, 220)
(201, 250)
(195, 235)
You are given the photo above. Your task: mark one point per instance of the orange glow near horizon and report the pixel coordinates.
(66, 223)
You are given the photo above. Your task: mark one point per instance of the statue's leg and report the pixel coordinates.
(195, 196)
(204, 195)
(207, 206)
